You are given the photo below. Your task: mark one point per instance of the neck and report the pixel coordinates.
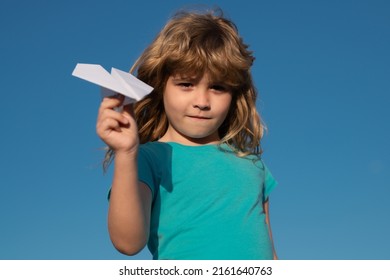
(189, 141)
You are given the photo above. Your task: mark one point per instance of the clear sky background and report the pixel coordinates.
(323, 72)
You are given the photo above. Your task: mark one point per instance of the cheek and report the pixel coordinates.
(226, 103)
(173, 107)
(168, 96)
(171, 104)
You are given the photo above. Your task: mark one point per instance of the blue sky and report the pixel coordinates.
(322, 70)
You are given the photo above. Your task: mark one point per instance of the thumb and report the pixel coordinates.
(128, 110)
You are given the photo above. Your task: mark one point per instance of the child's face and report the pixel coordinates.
(195, 108)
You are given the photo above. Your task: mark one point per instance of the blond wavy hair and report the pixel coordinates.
(193, 43)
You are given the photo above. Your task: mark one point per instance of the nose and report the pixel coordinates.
(201, 100)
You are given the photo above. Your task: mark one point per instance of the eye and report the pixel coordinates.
(186, 85)
(219, 88)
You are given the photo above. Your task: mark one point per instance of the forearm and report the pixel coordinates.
(129, 209)
(275, 256)
(267, 220)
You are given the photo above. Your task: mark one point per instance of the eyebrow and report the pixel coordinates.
(184, 78)
(194, 79)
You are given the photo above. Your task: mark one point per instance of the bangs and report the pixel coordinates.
(219, 67)
(207, 45)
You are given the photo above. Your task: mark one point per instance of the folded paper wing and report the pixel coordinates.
(117, 82)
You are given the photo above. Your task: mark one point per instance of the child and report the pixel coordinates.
(188, 179)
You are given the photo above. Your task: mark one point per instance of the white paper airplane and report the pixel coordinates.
(117, 82)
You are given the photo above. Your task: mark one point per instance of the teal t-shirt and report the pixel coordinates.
(207, 202)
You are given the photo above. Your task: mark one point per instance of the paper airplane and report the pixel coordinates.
(117, 82)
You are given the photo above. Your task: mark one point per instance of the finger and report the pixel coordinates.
(112, 101)
(118, 96)
(112, 114)
(107, 126)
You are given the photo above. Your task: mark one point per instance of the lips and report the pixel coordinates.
(199, 117)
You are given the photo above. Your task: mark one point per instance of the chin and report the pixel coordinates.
(202, 138)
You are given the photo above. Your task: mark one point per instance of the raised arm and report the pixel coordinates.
(130, 200)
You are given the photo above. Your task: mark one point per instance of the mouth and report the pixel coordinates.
(199, 117)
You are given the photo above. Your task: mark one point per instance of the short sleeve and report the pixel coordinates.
(147, 172)
(269, 183)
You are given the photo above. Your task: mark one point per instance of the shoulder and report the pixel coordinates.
(155, 149)
(153, 163)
